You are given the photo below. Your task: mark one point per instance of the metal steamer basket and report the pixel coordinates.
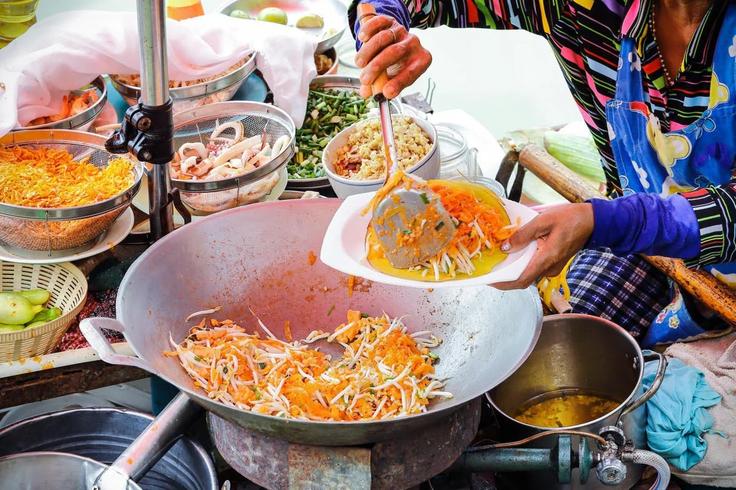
(54, 229)
(84, 119)
(220, 89)
(265, 183)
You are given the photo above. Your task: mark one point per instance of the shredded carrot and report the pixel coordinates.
(384, 371)
(311, 258)
(479, 227)
(51, 178)
(287, 331)
(351, 286)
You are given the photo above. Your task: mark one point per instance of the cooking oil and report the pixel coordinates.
(484, 263)
(16, 16)
(565, 409)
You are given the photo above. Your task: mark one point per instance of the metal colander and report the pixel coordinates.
(52, 229)
(218, 89)
(264, 183)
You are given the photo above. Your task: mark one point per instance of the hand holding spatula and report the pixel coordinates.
(409, 219)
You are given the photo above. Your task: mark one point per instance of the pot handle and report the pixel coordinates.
(92, 330)
(658, 378)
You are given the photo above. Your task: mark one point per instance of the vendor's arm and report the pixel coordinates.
(384, 41)
(697, 226)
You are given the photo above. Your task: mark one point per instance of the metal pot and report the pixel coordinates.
(579, 354)
(44, 469)
(102, 434)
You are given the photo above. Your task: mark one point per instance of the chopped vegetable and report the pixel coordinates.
(384, 371)
(328, 113)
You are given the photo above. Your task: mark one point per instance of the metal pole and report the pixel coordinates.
(155, 92)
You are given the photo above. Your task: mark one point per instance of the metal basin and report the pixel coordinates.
(578, 354)
(101, 435)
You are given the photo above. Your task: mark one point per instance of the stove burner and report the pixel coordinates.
(400, 463)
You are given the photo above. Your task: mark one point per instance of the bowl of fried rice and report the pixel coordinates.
(354, 159)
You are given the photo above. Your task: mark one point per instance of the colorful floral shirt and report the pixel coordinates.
(585, 38)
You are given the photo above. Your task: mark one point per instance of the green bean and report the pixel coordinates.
(328, 113)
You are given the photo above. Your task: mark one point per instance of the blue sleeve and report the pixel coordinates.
(648, 224)
(392, 8)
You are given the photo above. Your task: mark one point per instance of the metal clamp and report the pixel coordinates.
(146, 132)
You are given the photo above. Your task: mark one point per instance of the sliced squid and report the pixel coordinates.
(224, 156)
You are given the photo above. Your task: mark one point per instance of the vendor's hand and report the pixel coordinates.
(388, 47)
(560, 232)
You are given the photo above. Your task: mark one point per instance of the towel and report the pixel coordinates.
(67, 51)
(676, 415)
(716, 358)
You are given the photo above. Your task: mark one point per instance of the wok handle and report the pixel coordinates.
(92, 330)
(152, 443)
(658, 378)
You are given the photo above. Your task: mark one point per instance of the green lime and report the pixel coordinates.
(240, 14)
(310, 21)
(273, 14)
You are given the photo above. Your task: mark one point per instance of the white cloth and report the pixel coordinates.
(717, 359)
(66, 51)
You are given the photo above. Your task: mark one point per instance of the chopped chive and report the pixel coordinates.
(424, 197)
(364, 315)
(439, 225)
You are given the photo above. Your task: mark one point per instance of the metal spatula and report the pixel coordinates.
(410, 221)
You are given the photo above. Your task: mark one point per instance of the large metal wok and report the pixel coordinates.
(257, 257)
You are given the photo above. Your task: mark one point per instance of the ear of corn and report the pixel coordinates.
(578, 153)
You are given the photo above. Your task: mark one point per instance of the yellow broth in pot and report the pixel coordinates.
(565, 409)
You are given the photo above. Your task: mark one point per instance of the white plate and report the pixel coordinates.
(114, 235)
(344, 248)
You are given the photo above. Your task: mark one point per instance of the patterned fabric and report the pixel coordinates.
(625, 290)
(585, 37)
(700, 154)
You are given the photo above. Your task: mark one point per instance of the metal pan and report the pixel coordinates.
(257, 257)
(334, 13)
(46, 469)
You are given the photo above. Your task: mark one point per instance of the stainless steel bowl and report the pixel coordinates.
(84, 119)
(334, 13)
(220, 89)
(30, 228)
